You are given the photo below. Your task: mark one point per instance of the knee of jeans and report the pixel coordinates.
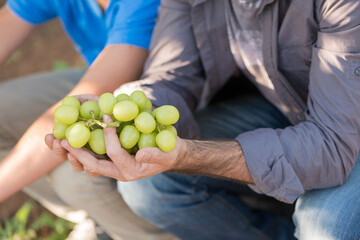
(80, 190)
(159, 197)
(65, 181)
(333, 217)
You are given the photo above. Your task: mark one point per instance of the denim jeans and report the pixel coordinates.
(332, 213)
(198, 207)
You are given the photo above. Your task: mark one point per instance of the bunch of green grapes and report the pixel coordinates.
(137, 125)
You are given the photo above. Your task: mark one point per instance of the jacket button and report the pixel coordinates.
(357, 71)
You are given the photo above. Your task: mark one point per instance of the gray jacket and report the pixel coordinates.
(311, 54)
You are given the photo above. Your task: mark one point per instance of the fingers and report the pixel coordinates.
(88, 171)
(75, 163)
(49, 138)
(111, 138)
(57, 148)
(55, 145)
(151, 155)
(104, 168)
(122, 159)
(92, 165)
(79, 167)
(156, 156)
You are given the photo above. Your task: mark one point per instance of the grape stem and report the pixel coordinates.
(105, 125)
(113, 124)
(90, 122)
(160, 127)
(101, 124)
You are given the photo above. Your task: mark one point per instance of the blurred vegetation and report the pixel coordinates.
(23, 226)
(59, 65)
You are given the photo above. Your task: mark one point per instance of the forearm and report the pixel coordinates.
(29, 160)
(221, 159)
(13, 32)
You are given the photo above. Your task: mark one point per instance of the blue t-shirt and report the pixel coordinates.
(128, 22)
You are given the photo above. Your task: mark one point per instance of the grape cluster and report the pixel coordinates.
(137, 125)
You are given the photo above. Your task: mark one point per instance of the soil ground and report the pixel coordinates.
(48, 48)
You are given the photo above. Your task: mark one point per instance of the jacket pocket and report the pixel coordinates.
(354, 70)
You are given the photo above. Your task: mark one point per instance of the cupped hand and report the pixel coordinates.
(123, 166)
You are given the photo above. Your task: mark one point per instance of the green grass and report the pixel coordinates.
(26, 224)
(59, 65)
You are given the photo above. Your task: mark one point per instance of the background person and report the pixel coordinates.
(113, 37)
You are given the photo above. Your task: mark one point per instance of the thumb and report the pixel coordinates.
(151, 155)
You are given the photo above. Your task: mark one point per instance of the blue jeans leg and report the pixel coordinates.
(198, 207)
(332, 213)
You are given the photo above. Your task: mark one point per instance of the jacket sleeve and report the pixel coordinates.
(173, 72)
(321, 151)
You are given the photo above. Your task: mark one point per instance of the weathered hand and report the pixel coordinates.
(123, 166)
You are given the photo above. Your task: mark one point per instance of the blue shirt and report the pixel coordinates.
(124, 21)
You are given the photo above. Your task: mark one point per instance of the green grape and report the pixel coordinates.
(147, 140)
(161, 127)
(166, 140)
(154, 113)
(101, 114)
(68, 130)
(88, 107)
(123, 124)
(107, 102)
(71, 101)
(145, 123)
(125, 111)
(122, 97)
(139, 98)
(129, 136)
(172, 129)
(71, 126)
(66, 114)
(97, 141)
(148, 105)
(59, 130)
(167, 115)
(148, 111)
(78, 135)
